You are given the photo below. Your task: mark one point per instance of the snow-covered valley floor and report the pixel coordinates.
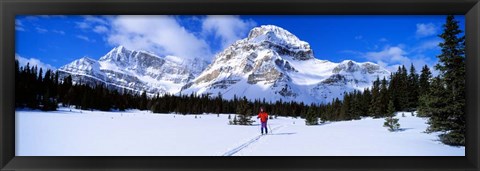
(141, 133)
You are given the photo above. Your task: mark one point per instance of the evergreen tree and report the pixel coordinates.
(424, 92)
(244, 112)
(366, 98)
(412, 89)
(375, 103)
(393, 88)
(403, 89)
(451, 117)
(392, 124)
(435, 106)
(383, 98)
(48, 103)
(143, 101)
(344, 110)
(311, 117)
(424, 81)
(84, 105)
(391, 109)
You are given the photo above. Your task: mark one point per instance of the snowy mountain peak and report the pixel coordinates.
(84, 63)
(266, 32)
(266, 42)
(138, 71)
(277, 36)
(118, 48)
(86, 59)
(115, 54)
(349, 66)
(273, 64)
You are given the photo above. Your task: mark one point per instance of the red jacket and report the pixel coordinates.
(263, 116)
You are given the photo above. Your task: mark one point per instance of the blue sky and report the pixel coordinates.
(53, 41)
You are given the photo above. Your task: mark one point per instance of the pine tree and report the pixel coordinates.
(394, 88)
(366, 98)
(391, 109)
(383, 98)
(375, 100)
(450, 118)
(84, 105)
(311, 118)
(424, 92)
(435, 106)
(403, 89)
(344, 110)
(244, 111)
(424, 81)
(392, 124)
(18, 84)
(48, 104)
(412, 89)
(143, 101)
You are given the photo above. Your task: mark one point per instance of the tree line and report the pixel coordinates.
(401, 91)
(45, 91)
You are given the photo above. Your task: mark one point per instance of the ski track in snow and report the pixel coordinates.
(249, 142)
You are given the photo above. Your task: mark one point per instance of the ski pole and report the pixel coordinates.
(271, 132)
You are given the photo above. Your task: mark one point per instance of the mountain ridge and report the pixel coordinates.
(270, 63)
(133, 70)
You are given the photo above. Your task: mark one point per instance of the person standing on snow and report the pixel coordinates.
(263, 119)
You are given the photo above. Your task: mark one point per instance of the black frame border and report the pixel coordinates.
(10, 8)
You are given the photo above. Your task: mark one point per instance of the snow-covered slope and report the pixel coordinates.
(141, 133)
(135, 70)
(273, 64)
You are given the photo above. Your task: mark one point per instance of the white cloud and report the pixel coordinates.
(82, 25)
(33, 61)
(100, 29)
(383, 39)
(424, 30)
(359, 37)
(228, 28)
(427, 45)
(389, 55)
(17, 28)
(19, 25)
(94, 20)
(89, 22)
(59, 32)
(421, 61)
(162, 35)
(41, 30)
(85, 38)
(393, 56)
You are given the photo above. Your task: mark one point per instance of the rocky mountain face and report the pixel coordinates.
(271, 64)
(135, 71)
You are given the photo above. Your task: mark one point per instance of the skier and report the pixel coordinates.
(263, 119)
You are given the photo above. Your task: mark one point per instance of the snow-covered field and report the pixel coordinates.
(141, 133)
